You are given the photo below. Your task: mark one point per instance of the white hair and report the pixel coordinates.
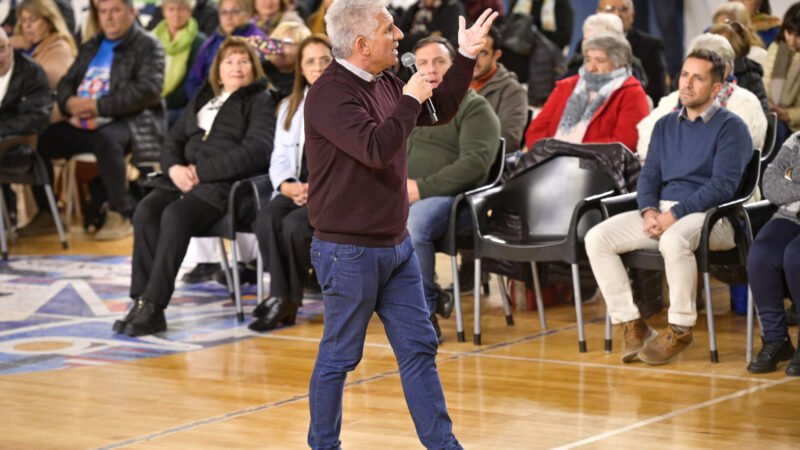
(189, 3)
(602, 23)
(346, 20)
(714, 43)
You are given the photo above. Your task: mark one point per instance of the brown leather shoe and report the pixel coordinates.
(635, 334)
(666, 346)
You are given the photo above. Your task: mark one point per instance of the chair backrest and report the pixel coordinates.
(750, 177)
(527, 125)
(496, 171)
(771, 137)
(551, 191)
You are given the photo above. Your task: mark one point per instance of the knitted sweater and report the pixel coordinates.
(781, 192)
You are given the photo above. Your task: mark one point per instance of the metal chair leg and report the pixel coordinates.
(506, 300)
(237, 286)
(712, 335)
(609, 344)
(748, 355)
(3, 213)
(537, 288)
(576, 290)
(226, 268)
(259, 276)
(457, 299)
(51, 199)
(476, 338)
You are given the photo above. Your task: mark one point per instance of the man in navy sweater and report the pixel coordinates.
(695, 161)
(358, 117)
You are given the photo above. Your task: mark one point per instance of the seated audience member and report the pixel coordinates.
(234, 20)
(43, 36)
(25, 99)
(737, 12)
(430, 18)
(90, 25)
(604, 23)
(781, 79)
(732, 97)
(282, 227)
(649, 49)
(9, 14)
(280, 67)
(111, 99)
(696, 160)
(774, 261)
(222, 136)
(747, 72)
(205, 12)
(553, 18)
(444, 161)
(316, 21)
(271, 13)
(603, 103)
(767, 25)
(501, 88)
(181, 39)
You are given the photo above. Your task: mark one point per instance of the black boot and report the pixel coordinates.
(149, 319)
(278, 310)
(119, 325)
(444, 304)
(793, 369)
(770, 355)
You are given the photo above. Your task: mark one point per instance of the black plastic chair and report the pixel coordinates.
(450, 242)
(769, 151)
(733, 211)
(22, 164)
(756, 215)
(555, 203)
(227, 227)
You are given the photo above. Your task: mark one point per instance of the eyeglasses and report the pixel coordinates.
(611, 9)
(230, 12)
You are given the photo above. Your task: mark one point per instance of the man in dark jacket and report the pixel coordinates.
(649, 49)
(111, 96)
(25, 100)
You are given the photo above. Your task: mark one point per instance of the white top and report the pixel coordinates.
(287, 151)
(5, 80)
(207, 114)
(758, 55)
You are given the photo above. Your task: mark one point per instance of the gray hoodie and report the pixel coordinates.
(777, 189)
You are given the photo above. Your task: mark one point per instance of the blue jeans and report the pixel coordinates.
(427, 222)
(773, 263)
(357, 281)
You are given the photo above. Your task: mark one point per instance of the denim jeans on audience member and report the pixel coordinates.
(357, 281)
(427, 222)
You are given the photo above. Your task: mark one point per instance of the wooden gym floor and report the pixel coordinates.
(525, 388)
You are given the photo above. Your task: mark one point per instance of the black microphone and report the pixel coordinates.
(408, 60)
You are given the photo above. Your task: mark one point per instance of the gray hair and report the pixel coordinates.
(716, 44)
(629, 4)
(189, 3)
(616, 47)
(346, 20)
(602, 23)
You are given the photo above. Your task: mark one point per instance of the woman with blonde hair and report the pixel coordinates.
(42, 34)
(280, 66)
(271, 13)
(225, 134)
(737, 12)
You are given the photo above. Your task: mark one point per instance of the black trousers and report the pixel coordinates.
(284, 239)
(108, 143)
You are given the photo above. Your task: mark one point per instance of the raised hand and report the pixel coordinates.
(473, 39)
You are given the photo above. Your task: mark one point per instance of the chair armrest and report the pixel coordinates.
(612, 206)
(478, 204)
(757, 215)
(259, 185)
(714, 215)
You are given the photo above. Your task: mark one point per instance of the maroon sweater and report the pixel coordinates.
(356, 134)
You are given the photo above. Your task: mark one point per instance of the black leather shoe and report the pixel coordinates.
(770, 355)
(793, 369)
(119, 325)
(444, 304)
(262, 309)
(435, 323)
(201, 272)
(279, 310)
(149, 319)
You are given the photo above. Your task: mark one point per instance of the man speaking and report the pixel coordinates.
(358, 117)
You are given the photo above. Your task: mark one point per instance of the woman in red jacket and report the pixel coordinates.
(603, 103)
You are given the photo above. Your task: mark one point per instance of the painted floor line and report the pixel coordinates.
(675, 413)
(645, 369)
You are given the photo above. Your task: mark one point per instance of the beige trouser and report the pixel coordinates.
(624, 233)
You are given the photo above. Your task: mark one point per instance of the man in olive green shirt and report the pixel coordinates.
(444, 161)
